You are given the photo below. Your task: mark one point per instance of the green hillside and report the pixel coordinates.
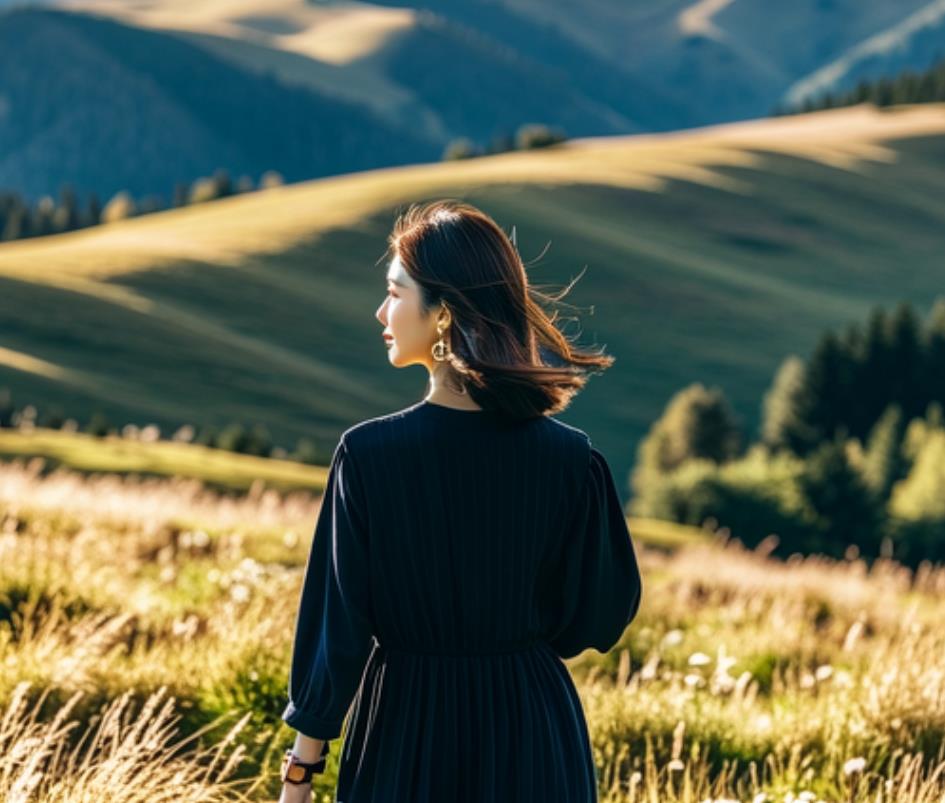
(711, 254)
(216, 468)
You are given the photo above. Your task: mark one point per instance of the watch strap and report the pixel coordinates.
(296, 771)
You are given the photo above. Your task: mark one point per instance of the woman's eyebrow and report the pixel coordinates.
(395, 280)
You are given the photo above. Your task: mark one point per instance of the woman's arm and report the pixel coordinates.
(307, 748)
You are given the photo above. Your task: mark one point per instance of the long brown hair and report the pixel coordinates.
(506, 351)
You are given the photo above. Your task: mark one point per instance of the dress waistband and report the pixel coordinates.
(523, 646)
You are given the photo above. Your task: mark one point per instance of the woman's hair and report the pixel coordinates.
(506, 351)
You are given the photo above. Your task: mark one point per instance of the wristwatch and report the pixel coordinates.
(296, 771)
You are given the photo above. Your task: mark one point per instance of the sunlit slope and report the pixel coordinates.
(710, 255)
(312, 44)
(216, 468)
(415, 70)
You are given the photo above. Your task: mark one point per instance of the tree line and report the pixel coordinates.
(237, 436)
(20, 219)
(527, 136)
(849, 459)
(909, 86)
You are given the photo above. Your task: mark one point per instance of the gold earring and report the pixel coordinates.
(440, 349)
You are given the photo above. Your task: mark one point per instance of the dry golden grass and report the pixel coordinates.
(743, 678)
(117, 759)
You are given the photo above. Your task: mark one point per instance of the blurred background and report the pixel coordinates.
(193, 200)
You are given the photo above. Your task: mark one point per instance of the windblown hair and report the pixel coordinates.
(505, 350)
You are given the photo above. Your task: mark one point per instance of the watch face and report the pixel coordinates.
(291, 771)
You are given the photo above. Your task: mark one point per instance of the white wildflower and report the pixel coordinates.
(852, 765)
(699, 659)
(763, 722)
(648, 671)
(239, 592)
(672, 638)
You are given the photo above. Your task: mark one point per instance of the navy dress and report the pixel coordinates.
(457, 557)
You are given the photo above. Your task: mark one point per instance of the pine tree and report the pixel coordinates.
(66, 216)
(824, 396)
(98, 424)
(6, 407)
(779, 417)
(305, 451)
(845, 511)
(902, 384)
(233, 438)
(873, 363)
(933, 371)
(885, 463)
(93, 211)
(697, 423)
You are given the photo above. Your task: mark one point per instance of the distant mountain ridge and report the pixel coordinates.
(108, 107)
(137, 95)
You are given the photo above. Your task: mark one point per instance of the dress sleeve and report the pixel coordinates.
(600, 582)
(334, 625)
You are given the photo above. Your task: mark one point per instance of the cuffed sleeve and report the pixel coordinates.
(334, 625)
(600, 581)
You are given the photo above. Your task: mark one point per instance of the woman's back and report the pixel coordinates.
(457, 558)
(465, 508)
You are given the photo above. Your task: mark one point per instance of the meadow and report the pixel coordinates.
(707, 255)
(216, 468)
(145, 629)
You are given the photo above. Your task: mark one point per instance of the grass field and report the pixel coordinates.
(42, 451)
(711, 254)
(216, 468)
(147, 626)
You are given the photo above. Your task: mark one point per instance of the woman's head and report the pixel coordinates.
(453, 274)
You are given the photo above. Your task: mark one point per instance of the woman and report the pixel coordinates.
(465, 545)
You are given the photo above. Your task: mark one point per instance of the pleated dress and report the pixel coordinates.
(458, 556)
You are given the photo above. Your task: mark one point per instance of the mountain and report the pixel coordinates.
(710, 256)
(112, 94)
(106, 107)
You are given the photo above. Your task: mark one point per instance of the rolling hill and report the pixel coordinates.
(711, 254)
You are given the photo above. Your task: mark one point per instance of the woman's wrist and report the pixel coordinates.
(307, 748)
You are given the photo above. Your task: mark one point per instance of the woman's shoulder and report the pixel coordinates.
(365, 433)
(566, 430)
(370, 432)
